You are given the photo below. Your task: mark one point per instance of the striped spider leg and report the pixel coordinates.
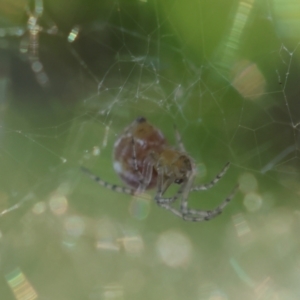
(202, 187)
(113, 187)
(191, 214)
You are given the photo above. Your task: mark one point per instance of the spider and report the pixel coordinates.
(30, 39)
(143, 160)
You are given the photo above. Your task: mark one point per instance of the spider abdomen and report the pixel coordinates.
(138, 140)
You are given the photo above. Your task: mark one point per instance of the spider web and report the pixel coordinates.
(226, 74)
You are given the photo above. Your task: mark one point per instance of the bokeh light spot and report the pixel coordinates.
(140, 206)
(253, 202)
(58, 204)
(133, 244)
(39, 208)
(248, 80)
(74, 226)
(106, 234)
(174, 249)
(96, 151)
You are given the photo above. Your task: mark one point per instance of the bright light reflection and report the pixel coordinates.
(107, 244)
(248, 80)
(39, 208)
(20, 286)
(133, 244)
(96, 151)
(242, 228)
(74, 226)
(73, 34)
(106, 234)
(253, 202)
(174, 249)
(232, 43)
(58, 204)
(140, 206)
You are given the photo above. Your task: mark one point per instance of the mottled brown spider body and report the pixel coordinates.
(174, 163)
(145, 139)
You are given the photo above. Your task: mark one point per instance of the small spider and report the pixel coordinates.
(143, 160)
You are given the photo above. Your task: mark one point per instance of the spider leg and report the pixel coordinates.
(209, 214)
(169, 200)
(134, 156)
(200, 215)
(146, 175)
(147, 171)
(108, 185)
(160, 200)
(185, 193)
(209, 185)
(178, 139)
(184, 212)
(162, 186)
